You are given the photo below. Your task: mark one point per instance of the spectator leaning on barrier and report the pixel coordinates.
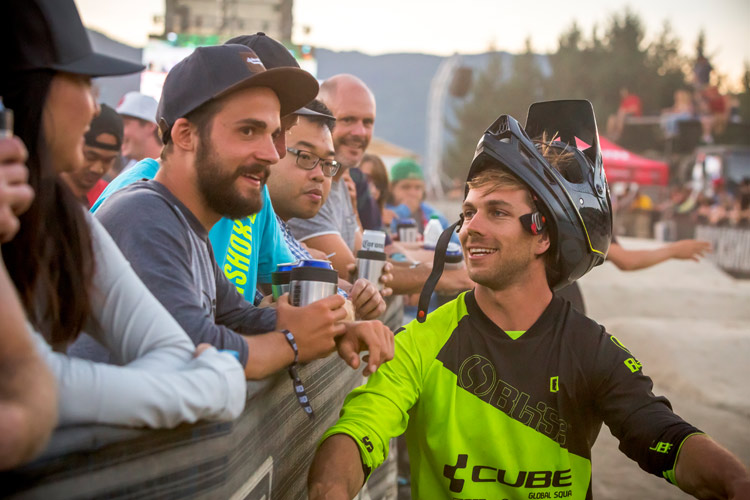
(68, 271)
(100, 152)
(219, 136)
(540, 377)
(247, 249)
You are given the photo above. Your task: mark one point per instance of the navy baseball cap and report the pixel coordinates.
(274, 55)
(106, 122)
(271, 52)
(213, 72)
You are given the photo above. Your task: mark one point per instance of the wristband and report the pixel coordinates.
(299, 389)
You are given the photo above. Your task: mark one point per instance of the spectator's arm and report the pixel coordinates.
(28, 395)
(162, 382)
(633, 260)
(152, 237)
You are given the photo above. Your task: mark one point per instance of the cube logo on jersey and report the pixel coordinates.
(531, 479)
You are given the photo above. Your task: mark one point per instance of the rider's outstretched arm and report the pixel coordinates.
(336, 471)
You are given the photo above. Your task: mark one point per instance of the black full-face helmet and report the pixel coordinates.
(574, 201)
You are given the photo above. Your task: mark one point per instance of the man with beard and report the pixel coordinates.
(248, 249)
(219, 136)
(100, 150)
(503, 391)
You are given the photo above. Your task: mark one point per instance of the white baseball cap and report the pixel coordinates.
(138, 105)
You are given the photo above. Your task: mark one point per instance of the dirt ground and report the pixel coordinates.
(689, 324)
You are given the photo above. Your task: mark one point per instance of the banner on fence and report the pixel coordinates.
(731, 247)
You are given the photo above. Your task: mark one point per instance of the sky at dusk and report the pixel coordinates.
(445, 27)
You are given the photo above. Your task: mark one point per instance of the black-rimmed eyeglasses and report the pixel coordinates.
(308, 161)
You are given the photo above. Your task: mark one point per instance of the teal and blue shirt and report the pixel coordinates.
(247, 250)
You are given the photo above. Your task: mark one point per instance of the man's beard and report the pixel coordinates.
(512, 269)
(218, 188)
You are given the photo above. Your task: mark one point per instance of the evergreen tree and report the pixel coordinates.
(490, 97)
(525, 86)
(667, 70)
(744, 97)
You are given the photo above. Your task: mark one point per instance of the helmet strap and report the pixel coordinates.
(438, 264)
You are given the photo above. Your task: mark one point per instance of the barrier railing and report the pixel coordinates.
(264, 454)
(731, 248)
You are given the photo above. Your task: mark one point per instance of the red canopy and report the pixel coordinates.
(621, 165)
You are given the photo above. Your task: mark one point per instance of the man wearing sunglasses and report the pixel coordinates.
(300, 184)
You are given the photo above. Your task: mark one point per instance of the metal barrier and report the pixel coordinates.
(731, 248)
(264, 454)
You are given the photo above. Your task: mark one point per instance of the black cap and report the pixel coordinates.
(272, 53)
(48, 34)
(108, 121)
(212, 72)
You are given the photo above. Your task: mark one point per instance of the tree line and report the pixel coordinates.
(592, 66)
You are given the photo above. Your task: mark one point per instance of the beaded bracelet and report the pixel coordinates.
(299, 389)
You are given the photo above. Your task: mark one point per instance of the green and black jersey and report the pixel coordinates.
(489, 417)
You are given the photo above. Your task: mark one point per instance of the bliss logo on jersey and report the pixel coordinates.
(514, 479)
(477, 375)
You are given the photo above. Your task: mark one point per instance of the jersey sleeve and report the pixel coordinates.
(650, 433)
(378, 411)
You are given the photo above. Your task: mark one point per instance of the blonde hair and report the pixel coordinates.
(558, 158)
(495, 179)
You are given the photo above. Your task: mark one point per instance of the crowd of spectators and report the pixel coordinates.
(680, 208)
(168, 276)
(700, 102)
(139, 318)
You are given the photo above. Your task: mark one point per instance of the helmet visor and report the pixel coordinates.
(569, 120)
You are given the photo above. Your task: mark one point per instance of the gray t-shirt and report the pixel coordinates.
(170, 251)
(336, 216)
(158, 382)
